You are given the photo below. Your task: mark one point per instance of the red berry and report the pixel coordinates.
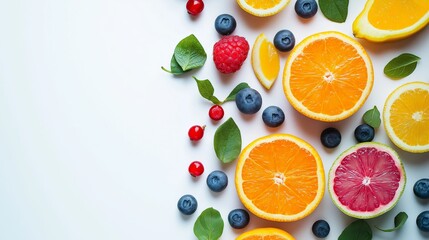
(216, 112)
(196, 168)
(229, 53)
(195, 7)
(196, 132)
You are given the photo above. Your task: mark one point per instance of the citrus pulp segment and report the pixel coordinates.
(328, 76)
(263, 8)
(406, 117)
(280, 177)
(366, 180)
(387, 20)
(265, 234)
(265, 61)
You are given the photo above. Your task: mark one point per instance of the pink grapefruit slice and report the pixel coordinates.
(367, 180)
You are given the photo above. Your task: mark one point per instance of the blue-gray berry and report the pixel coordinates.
(225, 24)
(273, 116)
(364, 133)
(284, 40)
(422, 221)
(306, 8)
(321, 228)
(421, 188)
(187, 204)
(248, 101)
(217, 181)
(238, 218)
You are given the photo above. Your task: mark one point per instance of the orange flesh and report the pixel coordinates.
(412, 126)
(329, 76)
(264, 237)
(397, 14)
(284, 183)
(262, 4)
(269, 60)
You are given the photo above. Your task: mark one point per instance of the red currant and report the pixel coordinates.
(196, 132)
(196, 168)
(195, 7)
(216, 112)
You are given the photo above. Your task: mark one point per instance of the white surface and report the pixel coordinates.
(93, 134)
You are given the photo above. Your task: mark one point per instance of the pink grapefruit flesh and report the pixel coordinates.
(366, 180)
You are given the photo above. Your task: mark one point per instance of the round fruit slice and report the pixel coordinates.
(328, 76)
(366, 180)
(387, 20)
(280, 177)
(265, 234)
(263, 8)
(406, 117)
(265, 61)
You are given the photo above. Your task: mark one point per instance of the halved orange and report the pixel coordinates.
(406, 117)
(263, 8)
(265, 234)
(280, 177)
(387, 20)
(328, 76)
(265, 61)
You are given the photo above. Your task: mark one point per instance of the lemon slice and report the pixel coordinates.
(406, 117)
(263, 8)
(265, 61)
(388, 20)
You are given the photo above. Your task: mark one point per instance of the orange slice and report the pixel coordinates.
(387, 20)
(328, 76)
(280, 177)
(265, 61)
(265, 234)
(406, 117)
(263, 8)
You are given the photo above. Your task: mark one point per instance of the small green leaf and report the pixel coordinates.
(227, 141)
(400, 220)
(357, 230)
(335, 10)
(189, 53)
(207, 90)
(401, 66)
(372, 117)
(174, 67)
(209, 225)
(231, 96)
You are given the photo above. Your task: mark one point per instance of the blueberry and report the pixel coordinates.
(248, 101)
(225, 24)
(273, 116)
(238, 218)
(306, 8)
(217, 181)
(187, 204)
(321, 228)
(364, 133)
(423, 221)
(421, 188)
(284, 40)
(330, 137)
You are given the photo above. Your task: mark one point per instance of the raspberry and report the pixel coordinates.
(229, 53)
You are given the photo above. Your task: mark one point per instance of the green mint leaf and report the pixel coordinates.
(207, 90)
(357, 230)
(189, 53)
(175, 68)
(231, 96)
(401, 66)
(227, 141)
(335, 10)
(209, 225)
(400, 220)
(372, 117)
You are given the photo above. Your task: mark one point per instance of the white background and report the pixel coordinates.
(93, 134)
